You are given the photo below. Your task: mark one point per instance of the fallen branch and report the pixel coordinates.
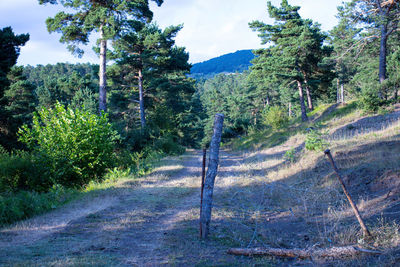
(333, 252)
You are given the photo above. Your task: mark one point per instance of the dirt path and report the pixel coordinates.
(126, 225)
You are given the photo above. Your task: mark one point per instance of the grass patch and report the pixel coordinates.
(20, 205)
(24, 204)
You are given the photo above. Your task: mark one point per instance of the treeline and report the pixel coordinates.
(304, 66)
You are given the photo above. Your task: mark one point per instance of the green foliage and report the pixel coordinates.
(230, 95)
(20, 170)
(295, 57)
(290, 155)
(89, 16)
(315, 141)
(14, 92)
(276, 117)
(9, 52)
(25, 204)
(75, 145)
(369, 99)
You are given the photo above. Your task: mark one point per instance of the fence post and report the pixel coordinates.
(205, 216)
(355, 210)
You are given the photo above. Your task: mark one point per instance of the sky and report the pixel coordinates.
(210, 27)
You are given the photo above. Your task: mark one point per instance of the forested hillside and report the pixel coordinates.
(112, 150)
(238, 61)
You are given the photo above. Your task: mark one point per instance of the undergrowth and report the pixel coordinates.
(23, 204)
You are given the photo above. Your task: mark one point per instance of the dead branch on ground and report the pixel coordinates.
(333, 252)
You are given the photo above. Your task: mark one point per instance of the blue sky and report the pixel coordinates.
(211, 27)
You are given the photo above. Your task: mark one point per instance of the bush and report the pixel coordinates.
(75, 145)
(20, 171)
(290, 155)
(369, 99)
(314, 140)
(276, 117)
(24, 204)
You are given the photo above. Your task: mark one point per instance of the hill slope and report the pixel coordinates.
(233, 62)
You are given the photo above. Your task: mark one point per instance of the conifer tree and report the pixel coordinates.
(109, 18)
(297, 49)
(9, 51)
(384, 17)
(145, 47)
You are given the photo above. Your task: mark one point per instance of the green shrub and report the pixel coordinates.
(369, 99)
(314, 141)
(168, 145)
(20, 170)
(24, 204)
(276, 117)
(75, 145)
(290, 155)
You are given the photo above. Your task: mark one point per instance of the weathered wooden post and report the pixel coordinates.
(205, 216)
(203, 174)
(355, 210)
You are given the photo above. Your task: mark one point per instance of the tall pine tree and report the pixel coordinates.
(109, 18)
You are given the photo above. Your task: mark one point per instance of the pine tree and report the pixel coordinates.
(109, 18)
(296, 51)
(381, 15)
(9, 52)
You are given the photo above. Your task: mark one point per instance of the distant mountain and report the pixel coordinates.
(233, 62)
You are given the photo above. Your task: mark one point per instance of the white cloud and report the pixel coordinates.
(211, 27)
(215, 27)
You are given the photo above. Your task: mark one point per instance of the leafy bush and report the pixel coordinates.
(75, 145)
(276, 117)
(314, 140)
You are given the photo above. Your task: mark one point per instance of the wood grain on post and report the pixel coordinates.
(356, 212)
(205, 216)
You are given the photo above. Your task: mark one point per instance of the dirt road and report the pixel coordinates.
(151, 221)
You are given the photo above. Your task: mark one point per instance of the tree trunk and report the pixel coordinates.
(337, 91)
(309, 100)
(205, 216)
(342, 93)
(290, 110)
(141, 100)
(383, 53)
(102, 73)
(301, 99)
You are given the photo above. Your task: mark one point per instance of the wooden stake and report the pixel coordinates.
(356, 212)
(205, 216)
(203, 174)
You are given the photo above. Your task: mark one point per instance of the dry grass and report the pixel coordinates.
(275, 203)
(260, 199)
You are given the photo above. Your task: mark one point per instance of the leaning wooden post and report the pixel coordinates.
(205, 216)
(203, 174)
(356, 212)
